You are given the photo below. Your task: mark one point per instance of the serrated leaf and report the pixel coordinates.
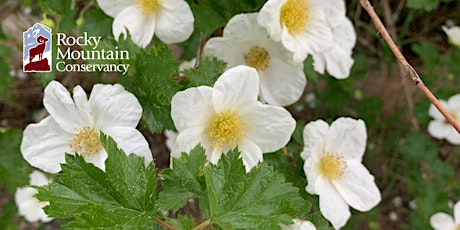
(153, 86)
(260, 199)
(184, 181)
(11, 162)
(183, 222)
(120, 198)
(319, 221)
(210, 69)
(213, 14)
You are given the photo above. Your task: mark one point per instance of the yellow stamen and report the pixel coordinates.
(257, 57)
(150, 6)
(225, 129)
(332, 166)
(86, 142)
(294, 14)
(458, 227)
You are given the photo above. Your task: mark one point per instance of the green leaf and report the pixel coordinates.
(98, 23)
(153, 86)
(319, 221)
(123, 197)
(11, 162)
(184, 181)
(428, 53)
(210, 69)
(211, 15)
(260, 199)
(183, 222)
(427, 5)
(63, 11)
(417, 146)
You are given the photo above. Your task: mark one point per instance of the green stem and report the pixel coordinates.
(202, 225)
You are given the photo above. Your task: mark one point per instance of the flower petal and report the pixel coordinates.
(338, 63)
(269, 17)
(434, 112)
(270, 127)
(454, 104)
(188, 139)
(141, 26)
(314, 138)
(344, 35)
(44, 145)
(347, 137)
(235, 88)
(439, 129)
(244, 27)
(357, 187)
(131, 141)
(453, 136)
(251, 154)
(282, 83)
(227, 49)
(62, 108)
(112, 105)
(176, 24)
(114, 7)
(30, 207)
(82, 105)
(442, 221)
(192, 107)
(312, 172)
(38, 178)
(457, 213)
(335, 11)
(99, 159)
(331, 204)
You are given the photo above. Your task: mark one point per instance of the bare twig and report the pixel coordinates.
(165, 224)
(409, 70)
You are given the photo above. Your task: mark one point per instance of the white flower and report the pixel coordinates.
(299, 24)
(443, 221)
(453, 33)
(246, 43)
(187, 64)
(440, 128)
(333, 156)
(299, 225)
(74, 125)
(171, 137)
(171, 20)
(229, 115)
(29, 206)
(337, 58)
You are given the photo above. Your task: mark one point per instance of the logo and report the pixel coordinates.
(36, 52)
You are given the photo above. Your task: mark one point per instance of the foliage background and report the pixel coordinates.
(417, 175)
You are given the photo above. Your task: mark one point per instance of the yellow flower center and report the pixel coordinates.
(86, 142)
(257, 57)
(225, 129)
(150, 6)
(458, 227)
(294, 14)
(332, 166)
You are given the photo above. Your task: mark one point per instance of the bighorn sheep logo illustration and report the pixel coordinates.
(39, 49)
(37, 55)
